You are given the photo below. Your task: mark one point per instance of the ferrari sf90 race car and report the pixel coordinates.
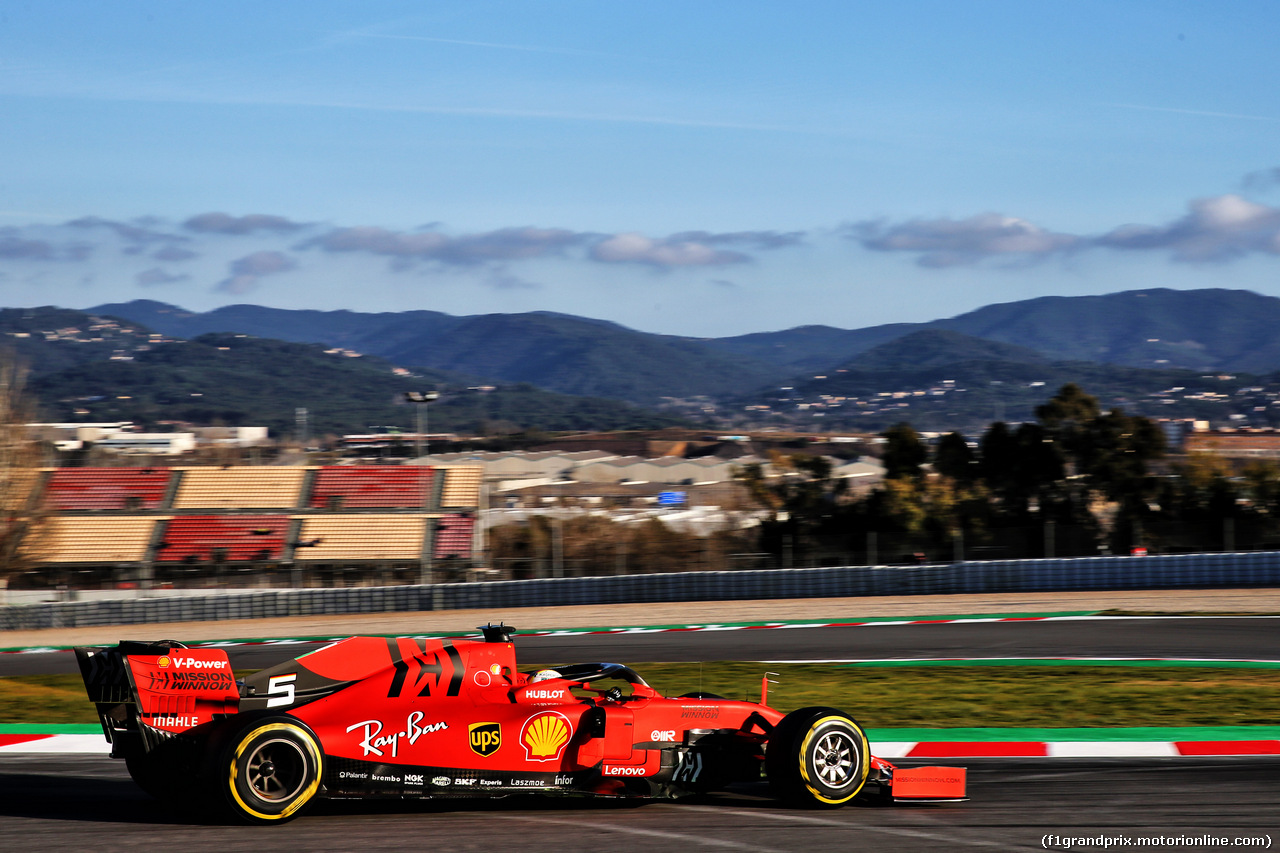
(373, 717)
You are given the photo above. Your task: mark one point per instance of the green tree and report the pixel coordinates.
(801, 498)
(1262, 486)
(904, 453)
(930, 513)
(1068, 410)
(954, 459)
(1113, 452)
(998, 458)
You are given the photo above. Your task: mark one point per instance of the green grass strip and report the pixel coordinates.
(905, 698)
(320, 638)
(50, 729)
(1154, 662)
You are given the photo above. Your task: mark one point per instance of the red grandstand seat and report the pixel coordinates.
(453, 537)
(106, 488)
(372, 487)
(223, 538)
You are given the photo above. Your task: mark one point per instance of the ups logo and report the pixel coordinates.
(485, 738)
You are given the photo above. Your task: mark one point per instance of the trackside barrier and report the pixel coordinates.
(1246, 569)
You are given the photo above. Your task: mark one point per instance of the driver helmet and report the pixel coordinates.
(544, 675)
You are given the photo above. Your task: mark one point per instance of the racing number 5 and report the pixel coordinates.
(283, 686)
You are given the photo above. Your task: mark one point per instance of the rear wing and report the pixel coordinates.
(150, 691)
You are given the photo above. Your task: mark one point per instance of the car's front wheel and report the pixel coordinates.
(269, 770)
(817, 757)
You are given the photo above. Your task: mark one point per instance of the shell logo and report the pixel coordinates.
(496, 669)
(163, 662)
(545, 735)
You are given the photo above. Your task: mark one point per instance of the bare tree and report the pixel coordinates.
(21, 522)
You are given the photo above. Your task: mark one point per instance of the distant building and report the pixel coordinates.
(156, 443)
(123, 437)
(507, 470)
(1242, 444)
(665, 470)
(232, 436)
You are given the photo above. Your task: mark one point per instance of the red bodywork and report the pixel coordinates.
(460, 710)
(427, 718)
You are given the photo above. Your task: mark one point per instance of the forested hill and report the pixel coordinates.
(570, 355)
(942, 380)
(1215, 329)
(87, 368)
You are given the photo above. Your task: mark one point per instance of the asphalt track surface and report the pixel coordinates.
(57, 803)
(1221, 638)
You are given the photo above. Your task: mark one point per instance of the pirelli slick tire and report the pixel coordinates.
(151, 774)
(269, 769)
(817, 758)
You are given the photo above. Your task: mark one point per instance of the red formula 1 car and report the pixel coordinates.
(408, 718)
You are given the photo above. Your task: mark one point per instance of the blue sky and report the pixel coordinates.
(691, 168)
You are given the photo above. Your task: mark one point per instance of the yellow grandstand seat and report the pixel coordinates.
(461, 485)
(119, 539)
(368, 536)
(240, 487)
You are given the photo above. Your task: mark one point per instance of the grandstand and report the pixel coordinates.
(240, 487)
(305, 525)
(372, 487)
(94, 541)
(70, 489)
(223, 538)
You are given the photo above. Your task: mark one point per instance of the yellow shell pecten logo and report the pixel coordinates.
(163, 662)
(545, 735)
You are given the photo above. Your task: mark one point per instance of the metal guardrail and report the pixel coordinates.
(1243, 569)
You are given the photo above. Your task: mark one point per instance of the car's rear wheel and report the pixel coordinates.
(269, 770)
(151, 775)
(817, 757)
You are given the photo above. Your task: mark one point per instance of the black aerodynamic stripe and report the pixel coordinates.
(435, 668)
(455, 679)
(401, 667)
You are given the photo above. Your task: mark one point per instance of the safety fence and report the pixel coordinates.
(1241, 569)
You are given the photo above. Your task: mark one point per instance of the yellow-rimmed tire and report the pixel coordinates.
(269, 770)
(817, 757)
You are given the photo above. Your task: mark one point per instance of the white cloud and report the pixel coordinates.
(1261, 181)
(1220, 228)
(504, 244)
(951, 242)
(223, 223)
(155, 275)
(246, 272)
(636, 248)
(14, 246)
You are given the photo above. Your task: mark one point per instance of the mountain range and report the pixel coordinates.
(1128, 348)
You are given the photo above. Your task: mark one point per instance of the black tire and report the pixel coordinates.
(149, 773)
(269, 769)
(817, 758)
